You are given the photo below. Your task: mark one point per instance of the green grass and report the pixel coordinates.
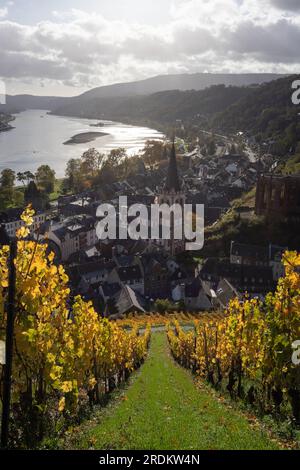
(163, 409)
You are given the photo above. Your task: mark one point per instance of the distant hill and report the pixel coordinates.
(22, 102)
(258, 104)
(195, 81)
(162, 108)
(182, 82)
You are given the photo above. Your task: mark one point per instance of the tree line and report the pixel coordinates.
(36, 187)
(93, 169)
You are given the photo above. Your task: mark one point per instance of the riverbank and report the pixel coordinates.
(4, 122)
(85, 137)
(5, 127)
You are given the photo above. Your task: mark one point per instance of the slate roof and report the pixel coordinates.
(153, 260)
(124, 260)
(129, 273)
(73, 226)
(76, 272)
(94, 267)
(192, 290)
(225, 292)
(60, 233)
(127, 300)
(110, 290)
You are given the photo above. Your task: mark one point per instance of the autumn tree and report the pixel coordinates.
(250, 349)
(154, 151)
(61, 346)
(73, 175)
(91, 162)
(25, 177)
(7, 179)
(7, 189)
(45, 178)
(21, 177)
(35, 197)
(112, 166)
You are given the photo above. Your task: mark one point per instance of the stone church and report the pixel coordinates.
(171, 193)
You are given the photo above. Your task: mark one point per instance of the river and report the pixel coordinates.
(38, 138)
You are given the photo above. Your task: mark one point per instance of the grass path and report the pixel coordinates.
(163, 409)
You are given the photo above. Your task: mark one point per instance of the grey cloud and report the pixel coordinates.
(79, 52)
(184, 43)
(292, 5)
(148, 48)
(195, 41)
(277, 42)
(22, 65)
(76, 47)
(13, 37)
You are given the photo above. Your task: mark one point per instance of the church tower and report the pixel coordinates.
(173, 193)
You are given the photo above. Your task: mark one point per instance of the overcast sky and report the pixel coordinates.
(64, 47)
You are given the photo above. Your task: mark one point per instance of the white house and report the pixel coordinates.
(12, 222)
(73, 235)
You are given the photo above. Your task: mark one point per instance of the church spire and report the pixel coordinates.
(172, 181)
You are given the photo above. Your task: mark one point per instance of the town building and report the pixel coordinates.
(244, 278)
(255, 255)
(196, 296)
(124, 302)
(224, 293)
(278, 196)
(246, 254)
(128, 275)
(83, 276)
(156, 275)
(73, 234)
(11, 220)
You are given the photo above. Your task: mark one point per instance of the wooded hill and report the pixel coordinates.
(267, 112)
(162, 108)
